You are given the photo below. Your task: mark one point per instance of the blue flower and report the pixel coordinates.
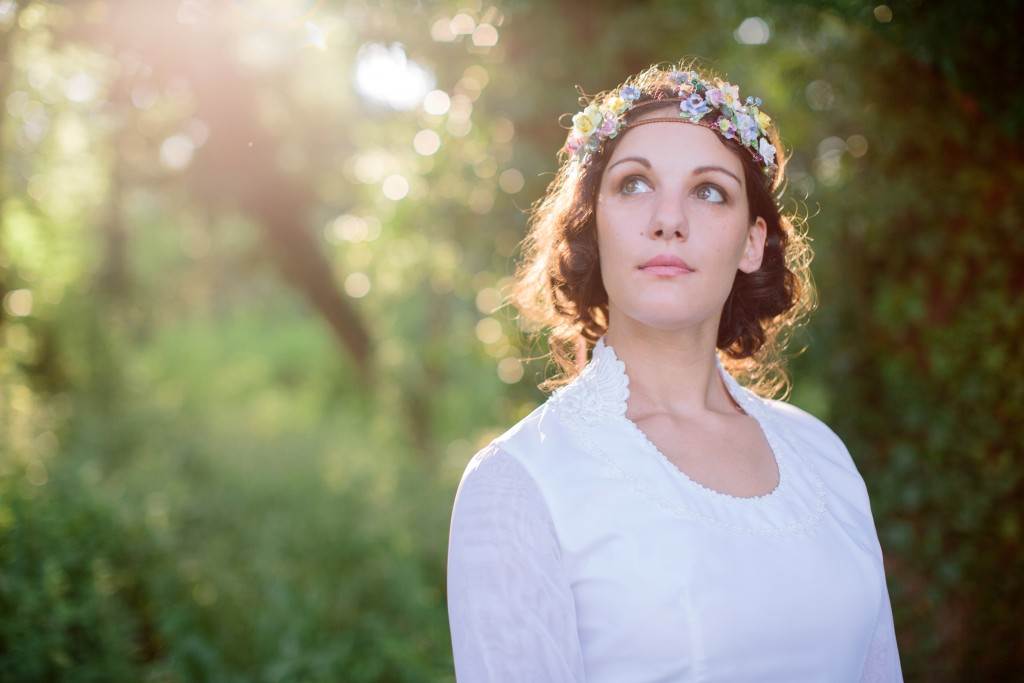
(748, 128)
(694, 106)
(629, 93)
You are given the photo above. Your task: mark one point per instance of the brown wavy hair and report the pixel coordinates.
(557, 286)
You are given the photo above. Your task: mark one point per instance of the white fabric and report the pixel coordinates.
(578, 552)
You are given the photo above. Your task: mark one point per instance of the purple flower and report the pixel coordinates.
(727, 127)
(714, 96)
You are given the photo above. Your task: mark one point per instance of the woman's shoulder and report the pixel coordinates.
(811, 429)
(496, 470)
(822, 447)
(504, 455)
(537, 440)
(537, 453)
(813, 433)
(801, 418)
(498, 501)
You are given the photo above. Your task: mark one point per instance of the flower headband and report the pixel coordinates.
(697, 98)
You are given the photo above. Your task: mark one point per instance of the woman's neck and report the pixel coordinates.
(671, 372)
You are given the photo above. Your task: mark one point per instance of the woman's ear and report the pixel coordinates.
(753, 249)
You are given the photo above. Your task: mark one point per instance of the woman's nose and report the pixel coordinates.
(669, 222)
(674, 231)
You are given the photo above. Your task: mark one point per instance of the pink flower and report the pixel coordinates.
(608, 126)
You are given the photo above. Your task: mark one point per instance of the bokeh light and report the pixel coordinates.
(488, 330)
(385, 74)
(357, 285)
(753, 31)
(436, 102)
(18, 302)
(395, 187)
(426, 142)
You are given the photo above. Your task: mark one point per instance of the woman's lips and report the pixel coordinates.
(666, 270)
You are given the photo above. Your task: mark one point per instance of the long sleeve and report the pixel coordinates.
(882, 664)
(510, 606)
(883, 661)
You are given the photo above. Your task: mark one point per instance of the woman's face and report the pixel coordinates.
(675, 189)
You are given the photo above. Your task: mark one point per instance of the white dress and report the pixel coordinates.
(579, 552)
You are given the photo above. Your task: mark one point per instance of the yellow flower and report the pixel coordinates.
(587, 120)
(583, 124)
(615, 104)
(763, 120)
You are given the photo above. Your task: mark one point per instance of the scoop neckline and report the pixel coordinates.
(748, 403)
(592, 408)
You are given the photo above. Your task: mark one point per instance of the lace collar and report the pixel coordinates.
(594, 407)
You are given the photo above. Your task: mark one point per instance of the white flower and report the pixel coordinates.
(767, 151)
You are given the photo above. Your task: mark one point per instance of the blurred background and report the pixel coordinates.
(252, 261)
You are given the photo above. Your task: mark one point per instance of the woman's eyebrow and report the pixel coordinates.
(705, 169)
(700, 169)
(639, 160)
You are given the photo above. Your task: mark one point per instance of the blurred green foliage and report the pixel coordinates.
(251, 327)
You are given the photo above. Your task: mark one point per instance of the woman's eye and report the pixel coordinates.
(631, 182)
(714, 189)
(636, 184)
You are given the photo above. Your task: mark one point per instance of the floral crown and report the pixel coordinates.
(697, 98)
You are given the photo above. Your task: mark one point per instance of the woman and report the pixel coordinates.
(654, 519)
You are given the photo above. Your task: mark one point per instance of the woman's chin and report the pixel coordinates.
(670, 315)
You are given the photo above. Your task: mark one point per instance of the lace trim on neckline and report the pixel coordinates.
(597, 399)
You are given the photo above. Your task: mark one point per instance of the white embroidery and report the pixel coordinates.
(597, 398)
